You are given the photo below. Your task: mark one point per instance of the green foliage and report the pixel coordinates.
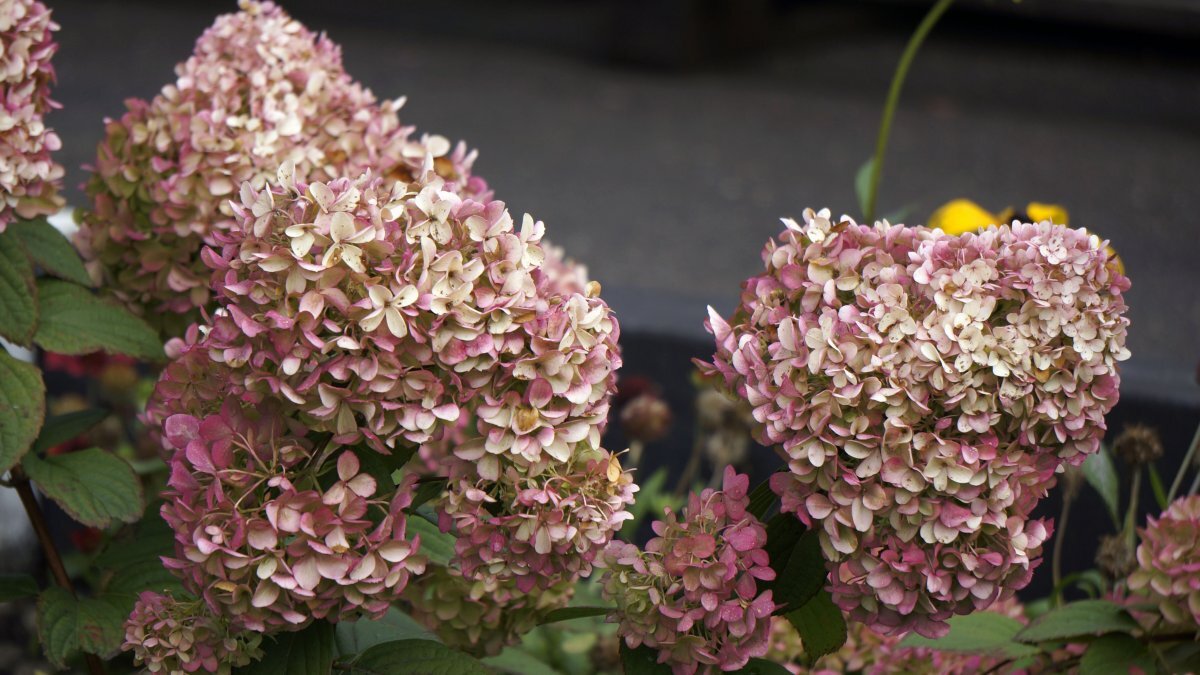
(18, 293)
(17, 586)
(762, 498)
(641, 661)
(1101, 474)
(306, 652)
(1116, 654)
(73, 321)
(862, 185)
(764, 667)
(427, 488)
(355, 637)
(67, 625)
(22, 407)
(62, 428)
(981, 632)
(1078, 619)
(51, 250)
(517, 661)
(1156, 485)
(415, 657)
(799, 573)
(569, 613)
(653, 496)
(132, 562)
(436, 545)
(95, 487)
(820, 624)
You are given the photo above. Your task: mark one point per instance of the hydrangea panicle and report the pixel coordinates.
(1168, 560)
(29, 178)
(693, 593)
(169, 636)
(925, 389)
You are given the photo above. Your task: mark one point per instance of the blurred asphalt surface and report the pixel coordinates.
(667, 182)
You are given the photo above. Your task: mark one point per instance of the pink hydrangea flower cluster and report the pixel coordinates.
(29, 178)
(482, 617)
(168, 635)
(260, 89)
(924, 390)
(1169, 562)
(390, 313)
(273, 532)
(693, 593)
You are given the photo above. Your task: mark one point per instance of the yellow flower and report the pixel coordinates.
(963, 215)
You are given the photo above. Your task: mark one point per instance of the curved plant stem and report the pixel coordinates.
(1056, 563)
(38, 520)
(1130, 529)
(1188, 459)
(893, 97)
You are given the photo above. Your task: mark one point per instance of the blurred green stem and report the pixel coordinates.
(1188, 459)
(1130, 529)
(893, 98)
(1056, 563)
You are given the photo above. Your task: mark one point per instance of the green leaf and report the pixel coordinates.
(1116, 654)
(67, 625)
(135, 560)
(436, 545)
(22, 407)
(517, 661)
(1078, 619)
(385, 469)
(1156, 484)
(763, 667)
(74, 321)
(95, 487)
(50, 249)
(427, 489)
(18, 293)
(1100, 473)
(569, 613)
(305, 652)
(415, 657)
(62, 428)
(821, 626)
(642, 661)
(762, 498)
(355, 637)
(988, 632)
(17, 586)
(799, 573)
(862, 184)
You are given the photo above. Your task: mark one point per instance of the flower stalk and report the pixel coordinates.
(1188, 459)
(893, 99)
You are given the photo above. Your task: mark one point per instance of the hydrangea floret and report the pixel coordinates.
(260, 89)
(29, 179)
(1168, 559)
(924, 390)
(693, 592)
(169, 635)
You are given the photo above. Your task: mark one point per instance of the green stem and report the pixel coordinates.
(1130, 530)
(893, 98)
(1183, 468)
(1056, 564)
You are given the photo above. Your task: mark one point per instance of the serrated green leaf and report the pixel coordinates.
(436, 545)
(1116, 654)
(22, 407)
(18, 292)
(799, 573)
(354, 637)
(821, 626)
(74, 321)
(986, 632)
(415, 657)
(517, 661)
(569, 613)
(862, 184)
(17, 586)
(642, 660)
(67, 625)
(1101, 474)
(94, 487)
(1078, 619)
(51, 250)
(305, 652)
(62, 428)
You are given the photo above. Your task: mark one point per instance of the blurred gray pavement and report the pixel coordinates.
(667, 182)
